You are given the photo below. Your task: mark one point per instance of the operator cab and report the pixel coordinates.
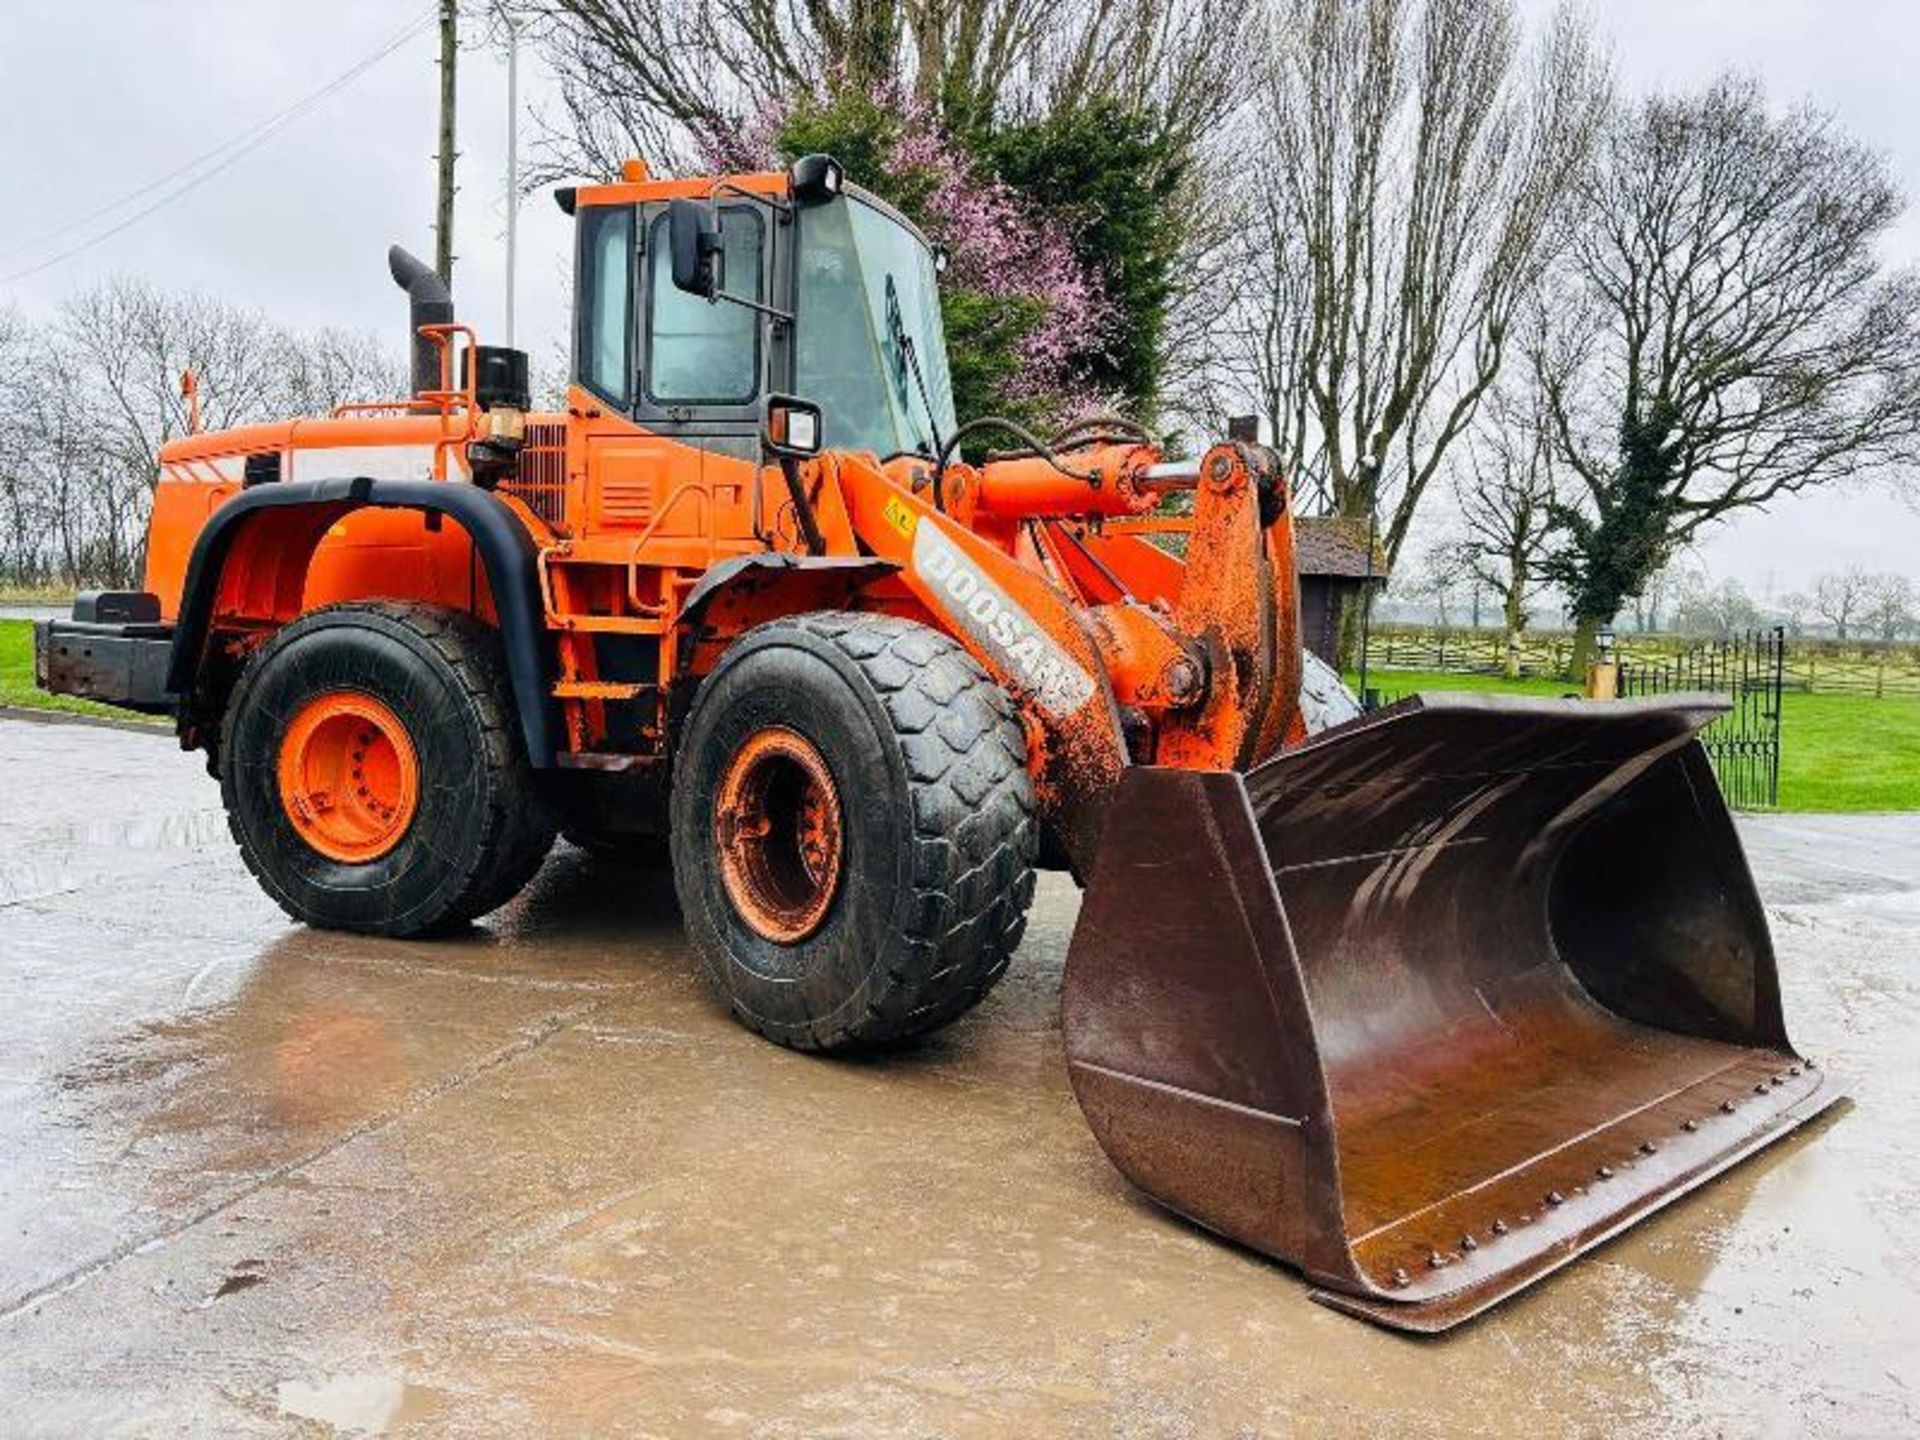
(705, 308)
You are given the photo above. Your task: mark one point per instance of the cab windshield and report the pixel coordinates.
(868, 346)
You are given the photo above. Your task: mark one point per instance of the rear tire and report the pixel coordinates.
(473, 828)
(900, 768)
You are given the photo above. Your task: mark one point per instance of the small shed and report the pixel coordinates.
(1330, 552)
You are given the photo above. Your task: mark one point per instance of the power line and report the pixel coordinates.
(226, 155)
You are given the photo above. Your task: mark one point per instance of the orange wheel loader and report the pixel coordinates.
(1424, 1003)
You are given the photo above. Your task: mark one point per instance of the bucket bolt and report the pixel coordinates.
(1554, 1197)
(1647, 1147)
(1726, 1107)
(1605, 1172)
(1467, 1242)
(1689, 1124)
(1499, 1227)
(1401, 1277)
(1183, 682)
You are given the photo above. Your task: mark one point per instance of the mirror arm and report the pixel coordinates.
(803, 506)
(772, 202)
(779, 317)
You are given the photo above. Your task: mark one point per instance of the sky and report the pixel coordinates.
(298, 225)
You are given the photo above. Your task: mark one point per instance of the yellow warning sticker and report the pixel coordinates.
(900, 515)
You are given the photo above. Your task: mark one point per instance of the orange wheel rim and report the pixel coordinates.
(349, 780)
(778, 832)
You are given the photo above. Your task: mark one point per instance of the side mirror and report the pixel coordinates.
(792, 427)
(699, 262)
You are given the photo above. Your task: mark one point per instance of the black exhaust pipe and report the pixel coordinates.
(429, 302)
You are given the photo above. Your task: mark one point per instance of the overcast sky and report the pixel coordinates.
(299, 225)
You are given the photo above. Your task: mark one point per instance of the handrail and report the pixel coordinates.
(446, 398)
(633, 564)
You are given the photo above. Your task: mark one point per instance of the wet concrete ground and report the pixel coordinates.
(259, 1179)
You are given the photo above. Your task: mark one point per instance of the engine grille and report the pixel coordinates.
(541, 483)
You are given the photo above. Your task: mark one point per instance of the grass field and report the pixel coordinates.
(1837, 752)
(35, 595)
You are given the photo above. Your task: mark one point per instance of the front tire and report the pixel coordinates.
(853, 835)
(374, 773)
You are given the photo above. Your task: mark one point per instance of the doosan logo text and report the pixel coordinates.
(990, 616)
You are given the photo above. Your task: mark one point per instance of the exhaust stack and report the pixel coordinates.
(429, 302)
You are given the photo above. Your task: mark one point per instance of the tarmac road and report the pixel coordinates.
(255, 1178)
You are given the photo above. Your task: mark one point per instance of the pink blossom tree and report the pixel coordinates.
(1022, 312)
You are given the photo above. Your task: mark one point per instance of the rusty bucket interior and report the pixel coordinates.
(1437, 1001)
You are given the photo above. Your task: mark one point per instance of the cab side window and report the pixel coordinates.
(603, 344)
(702, 352)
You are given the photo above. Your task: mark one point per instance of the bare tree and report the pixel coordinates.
(1727, 335)
(1841, 596)
(19, 550)
(1504, 487)
(1414, 162)
(1436, 579)
(1664, 592)
(669, 78)
(82, 424)
(1890, 610)
(1794, 611)
(322, 369)
(1720, 611)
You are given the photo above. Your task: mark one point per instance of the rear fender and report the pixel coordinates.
(252, 559)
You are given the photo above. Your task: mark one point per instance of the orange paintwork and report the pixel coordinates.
(348, 776)
(1115, 650)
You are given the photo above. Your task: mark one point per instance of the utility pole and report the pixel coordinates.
(443, 223)
(513, 156)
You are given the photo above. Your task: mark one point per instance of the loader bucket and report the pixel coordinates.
(1435, 1002)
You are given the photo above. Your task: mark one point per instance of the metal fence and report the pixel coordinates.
(1814, 667)
(1744, 744)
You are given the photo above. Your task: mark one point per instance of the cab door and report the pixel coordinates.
(704, 367)
(672, 443)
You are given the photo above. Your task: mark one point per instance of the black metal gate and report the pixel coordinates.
(1744, 744)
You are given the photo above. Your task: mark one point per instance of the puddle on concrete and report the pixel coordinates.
(539, 1165)
(66, 858)
(361, 1404)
